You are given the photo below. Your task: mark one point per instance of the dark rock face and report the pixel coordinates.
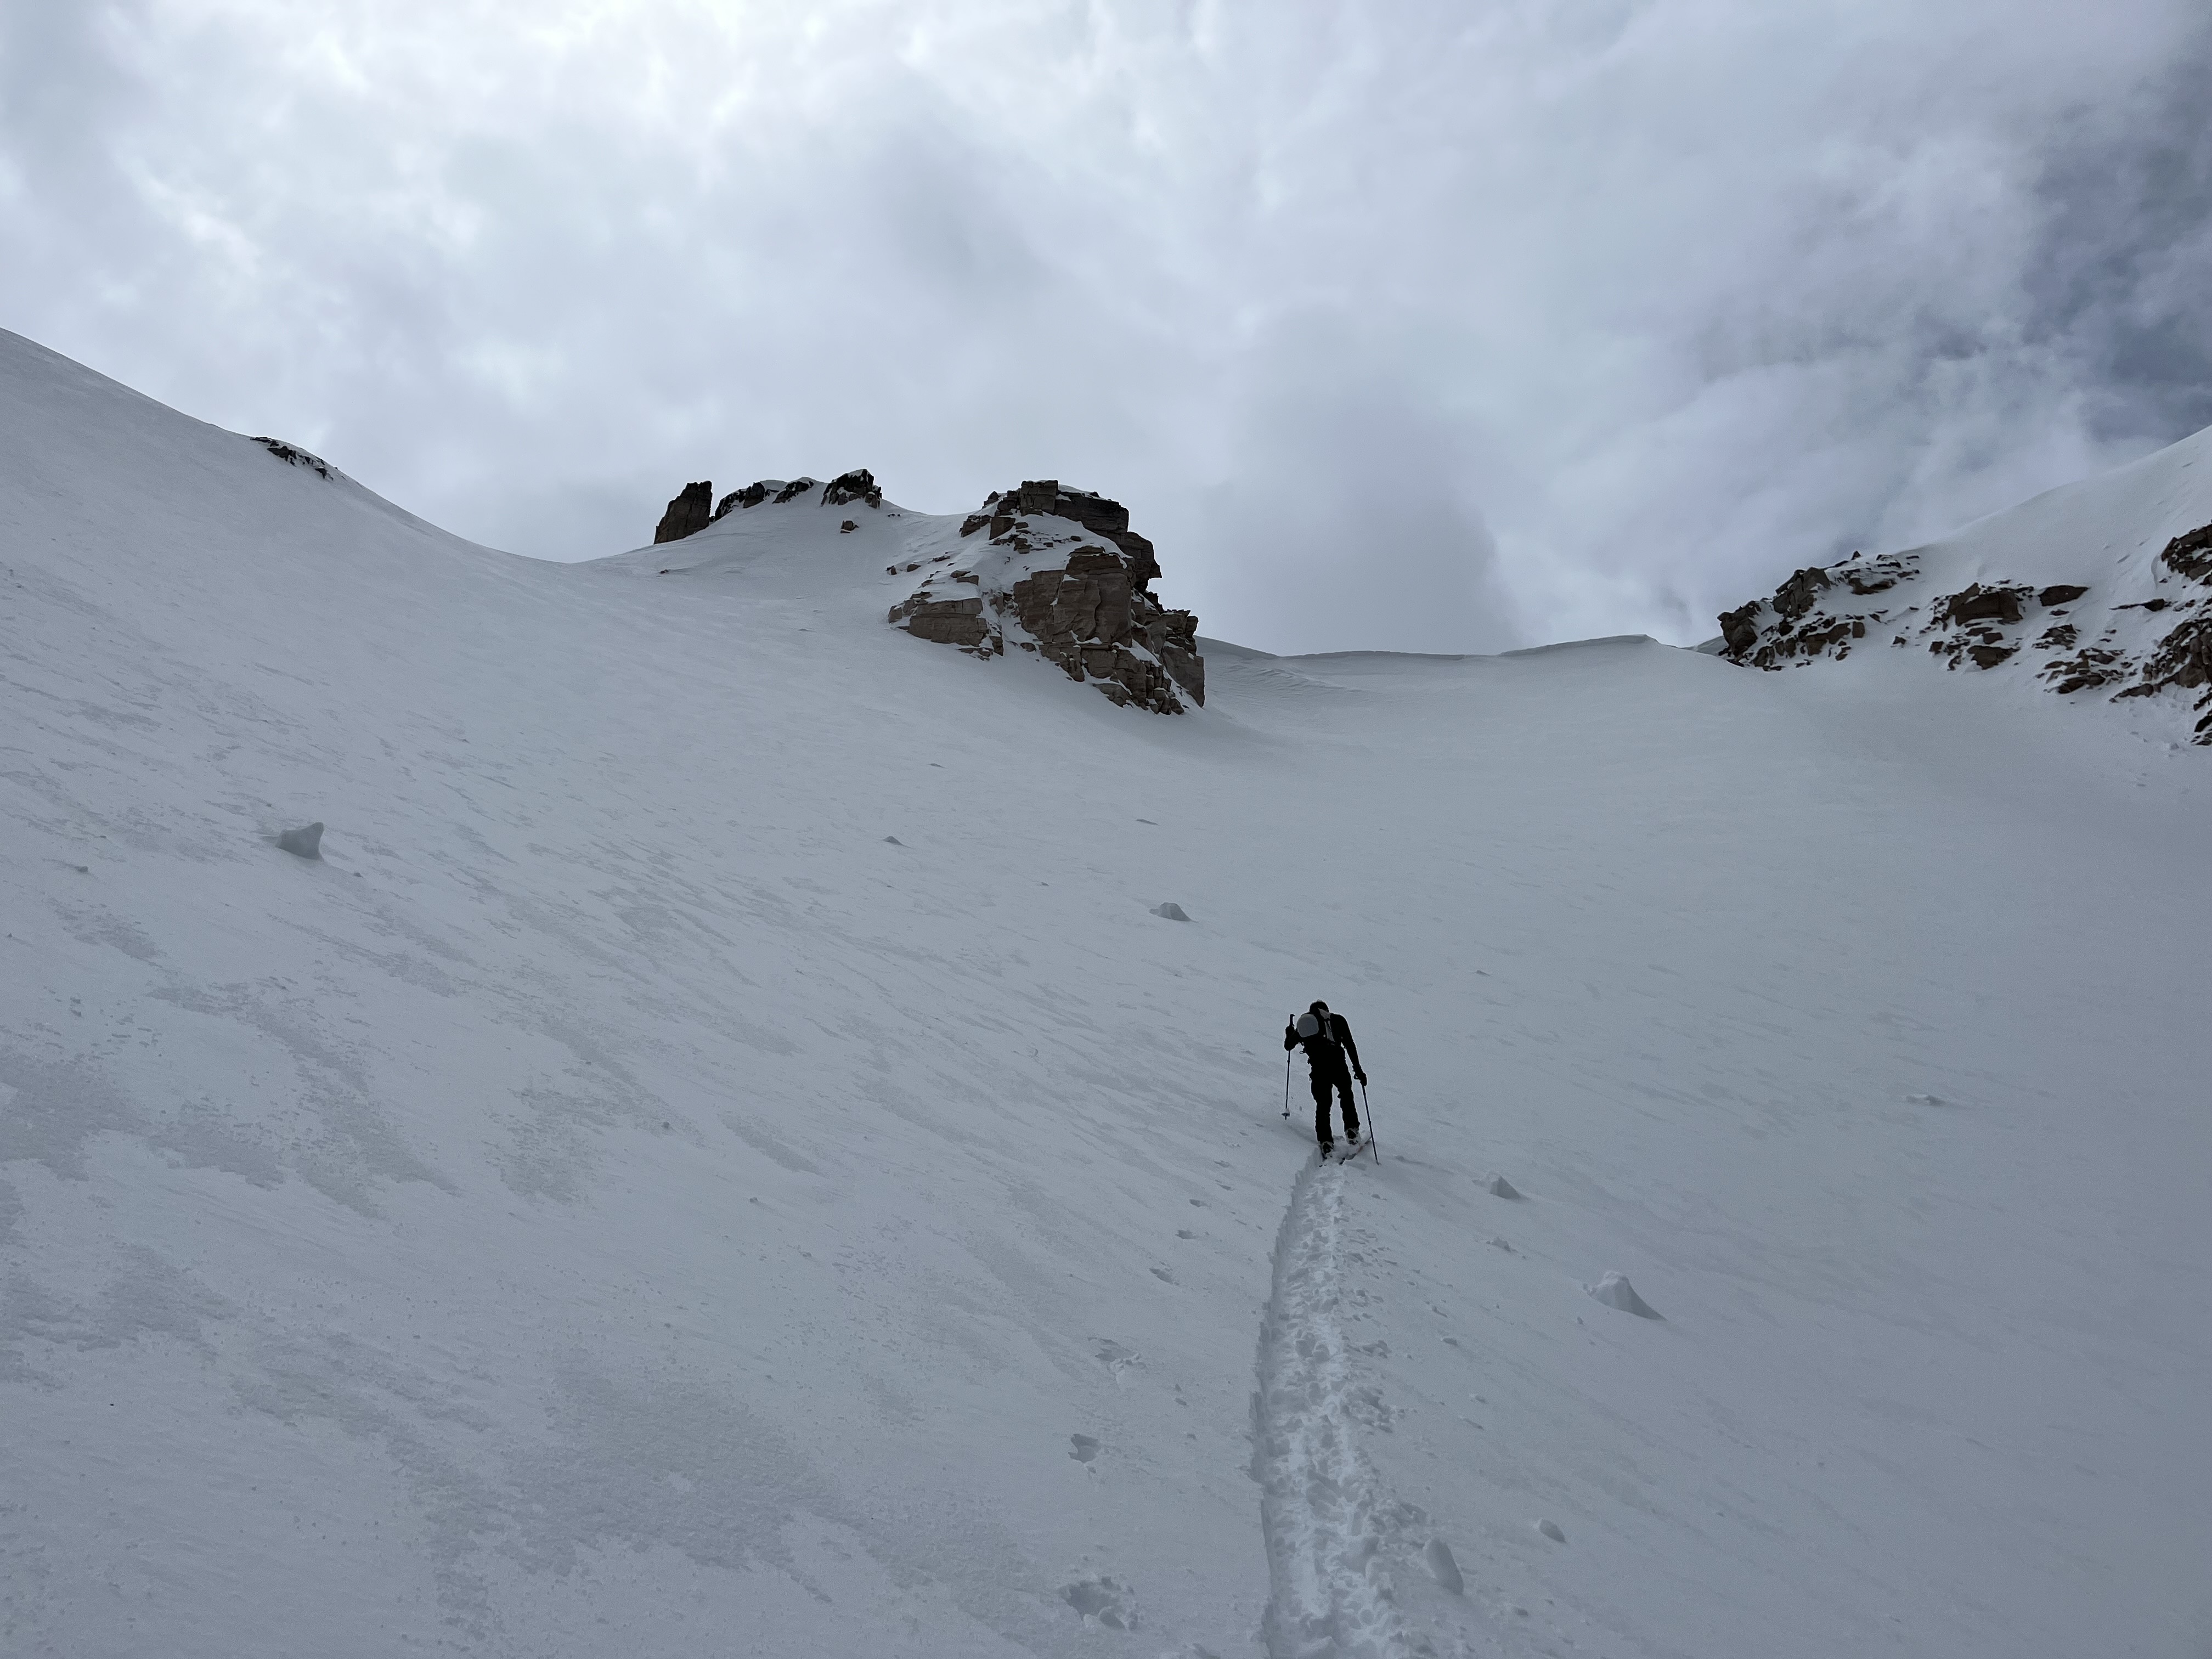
(2182, 660)
(689, 513)
(1740, 628)
(859, 485)
(751, 496)
(1795, 597)
(949, 621)
(2189, 556)
(1974, 603)
(2059, 594)
(1087, 608)
(293, 455)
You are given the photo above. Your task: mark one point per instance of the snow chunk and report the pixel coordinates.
(1443, 1568)
(1498, 1187)
(1615, 1291)
(306, 843)
(1172, 911)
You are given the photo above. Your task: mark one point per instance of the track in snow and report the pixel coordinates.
(1330, 1595)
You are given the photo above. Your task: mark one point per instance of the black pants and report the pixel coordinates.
(1340, 1081)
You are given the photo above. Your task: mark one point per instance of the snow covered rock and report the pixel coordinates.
(1059, 573)
(306, 843)
(1498, 1187)
(1172, 911)
(2105, 586)
(1615, 1291)
(688, 513)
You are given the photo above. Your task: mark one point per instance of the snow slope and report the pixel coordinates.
(618, 1201)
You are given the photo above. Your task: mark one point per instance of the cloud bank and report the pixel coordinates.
(1446, 327)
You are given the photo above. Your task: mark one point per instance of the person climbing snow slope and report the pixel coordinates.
(1333, 1058)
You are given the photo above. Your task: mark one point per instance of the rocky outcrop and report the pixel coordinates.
(1039, 568)
(1059, 573)
(2071, 648)
(1045, 498)
(859, 485)
(689, 513)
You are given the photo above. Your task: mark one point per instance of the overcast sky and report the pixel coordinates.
(1439, 326)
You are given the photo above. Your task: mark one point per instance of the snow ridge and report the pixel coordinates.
(1330, 1596)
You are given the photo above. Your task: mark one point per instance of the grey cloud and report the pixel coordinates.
(1348, 508)
(2125, 250)
(1425, 325)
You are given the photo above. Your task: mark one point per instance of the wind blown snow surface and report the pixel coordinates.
(721, 1154)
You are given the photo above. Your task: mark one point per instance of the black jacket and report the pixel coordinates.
(1326, 1048)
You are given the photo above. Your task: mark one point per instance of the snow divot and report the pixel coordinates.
(1443, 1568)
(1084, 1447)
(1551, 1530)
(1498, 1186)
(1615, 1291)
(1330, 1595)
(305, 842)
(1113, 1605)
(1116, 1357)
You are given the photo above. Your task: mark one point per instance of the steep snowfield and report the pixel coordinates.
(618, 1201)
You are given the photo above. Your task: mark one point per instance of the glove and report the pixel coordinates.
(1362, 1076)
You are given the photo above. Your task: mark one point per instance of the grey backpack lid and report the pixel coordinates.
(1309, 1025)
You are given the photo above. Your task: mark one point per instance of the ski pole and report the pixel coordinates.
(1371, 1146)
(1286, 1085)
